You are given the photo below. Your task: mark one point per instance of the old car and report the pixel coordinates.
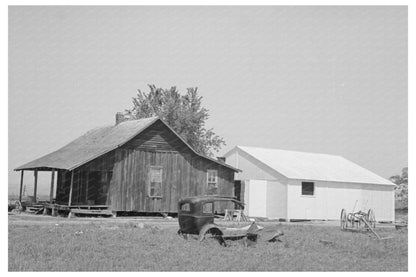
(197, 216)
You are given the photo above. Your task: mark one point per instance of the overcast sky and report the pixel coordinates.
(317, 79)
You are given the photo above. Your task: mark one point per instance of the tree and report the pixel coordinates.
(401, 189)
(184, 113)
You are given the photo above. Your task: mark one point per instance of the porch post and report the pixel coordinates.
(21, 185)
(52, 184)
(36, 185)
(70, 190)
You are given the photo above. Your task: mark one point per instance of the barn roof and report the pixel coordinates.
(312, 166)
(98, 142)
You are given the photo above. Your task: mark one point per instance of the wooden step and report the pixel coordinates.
(90, 212)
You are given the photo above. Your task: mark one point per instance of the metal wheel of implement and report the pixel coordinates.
(371, 218)
(351, 220)
(343, 219)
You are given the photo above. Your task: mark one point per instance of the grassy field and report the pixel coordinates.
(36, 243)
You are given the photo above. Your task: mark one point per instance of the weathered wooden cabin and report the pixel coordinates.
(137, 165)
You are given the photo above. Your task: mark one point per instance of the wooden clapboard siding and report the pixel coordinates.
(158, 137)
(184, 174)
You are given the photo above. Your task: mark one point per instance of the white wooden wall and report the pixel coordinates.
(331, 197)
(276, 200)
(255, 198)
(265, 199)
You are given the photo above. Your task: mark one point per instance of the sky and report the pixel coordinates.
(307, 78)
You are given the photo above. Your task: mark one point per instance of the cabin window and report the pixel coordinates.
(155, 186)
(308, 188)
(212, 179)
(207, 208)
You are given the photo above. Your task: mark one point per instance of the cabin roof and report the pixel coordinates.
(312, 166)
(98, 142)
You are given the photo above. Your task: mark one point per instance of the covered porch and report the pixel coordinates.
(79, 191)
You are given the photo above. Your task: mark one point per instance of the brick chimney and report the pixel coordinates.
(121, 117)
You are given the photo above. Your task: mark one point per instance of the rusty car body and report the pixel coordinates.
(196, 216)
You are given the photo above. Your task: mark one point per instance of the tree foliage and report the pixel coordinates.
(184, 113)
(401, 190)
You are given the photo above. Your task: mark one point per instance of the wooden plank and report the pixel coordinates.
(176, 177)
(126, 182)
(87, 180)
(77, 187)
(81, 192)
(148, 202)
(142, 181)
(91, 212)
(52, 185)
(70, 189)
(21, 186)
(134, 182)
(36, 185)
(167, 179)
(129, 181)
(122, 178)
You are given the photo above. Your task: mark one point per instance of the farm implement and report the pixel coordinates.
(360, 222)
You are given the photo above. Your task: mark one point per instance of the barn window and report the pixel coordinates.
(308, 188)
(155, 185)
(212, 179)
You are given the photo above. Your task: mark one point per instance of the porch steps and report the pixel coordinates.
(99, 212)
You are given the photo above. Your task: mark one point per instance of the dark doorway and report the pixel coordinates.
(238, 193)
(98, 183)
(237, 189)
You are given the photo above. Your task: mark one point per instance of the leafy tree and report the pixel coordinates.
(184, 113)
(401, 188)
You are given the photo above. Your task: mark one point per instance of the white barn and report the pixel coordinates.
(289, 185)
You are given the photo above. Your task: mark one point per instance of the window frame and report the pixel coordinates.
(150, 181)
(216, 178)
(188, 209)
(302, 189)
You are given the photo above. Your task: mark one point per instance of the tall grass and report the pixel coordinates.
(138, 247)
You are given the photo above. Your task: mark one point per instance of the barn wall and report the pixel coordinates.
(276, 199)
(265, 198)
(270, 199)
(183, 175)
(158, 138)
(381, 199)
(251, 168)
(255, 198)
(331, 197)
